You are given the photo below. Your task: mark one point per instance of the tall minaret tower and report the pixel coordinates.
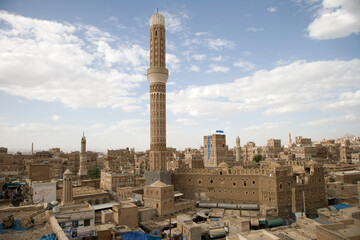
(289, 139)
(83, 158)
(238, 149)
(157, 75)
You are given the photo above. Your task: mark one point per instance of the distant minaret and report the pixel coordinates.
(32, 148)
(83, 158)
(238, 149)
(289, 140)
(67, 194)
(157, 75)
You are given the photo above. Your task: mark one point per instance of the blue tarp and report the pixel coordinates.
(138, 236)
(215, 219)
(15, 227)
(342, 206)
(48, 237)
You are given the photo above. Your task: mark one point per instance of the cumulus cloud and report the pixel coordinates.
(194, 68)
(346, 119)
(199, 57)
(74, 64)
(271, 9)
(266, 125)
(336, 19)
(56, 117)
(218, 44)
(217, 59)
(299, 86)
(217, 68)
(244, 65)
(130, 125)
(187, 121)
(172, 62)
(175, 22)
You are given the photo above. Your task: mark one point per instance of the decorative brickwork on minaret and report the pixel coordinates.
(157, 75)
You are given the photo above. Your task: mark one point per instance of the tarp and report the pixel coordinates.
(48, 237)
(16, 227)
(275, 222)
(138, 236)
(342, 206)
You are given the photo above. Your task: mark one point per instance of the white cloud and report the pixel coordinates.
(254, 29)
(244, 65)
(199, 57)
(202, 34)
(130, 125)
(217, 59)
(346, 119)
(217, 68)
(114, 20)
(218, 44)
(171, 83)
(73, 64)
(336, 19)
(172, 62)
(194, 68)
(299, 86)
(266, 126)
(97, 126)
(271, 9)
(187, 121)
(175, 22)
(56, 117)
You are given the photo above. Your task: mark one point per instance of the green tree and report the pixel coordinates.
(257, 158)
(93, 173)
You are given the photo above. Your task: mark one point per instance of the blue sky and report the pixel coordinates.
(255, 69)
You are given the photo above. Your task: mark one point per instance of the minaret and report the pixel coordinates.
(83, 158)
(289, 139)
(238, 149)
(157, 75)
(67, 194)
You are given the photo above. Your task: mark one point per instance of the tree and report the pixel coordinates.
(257, 158)
(93, 173)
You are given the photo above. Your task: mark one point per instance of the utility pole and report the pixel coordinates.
(170, 228)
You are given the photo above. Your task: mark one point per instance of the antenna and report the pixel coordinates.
(83, 133)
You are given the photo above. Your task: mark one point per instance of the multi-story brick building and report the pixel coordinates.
(111, 180)
(216, 151)
(280, 187)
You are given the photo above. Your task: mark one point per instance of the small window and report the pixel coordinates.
(244, 183)
(211, 181)
(86, 222)
(199, 182)
(280, 185)
(234, 184)
(253, 182)
(155, 33)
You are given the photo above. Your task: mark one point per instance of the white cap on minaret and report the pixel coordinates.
(157, 19)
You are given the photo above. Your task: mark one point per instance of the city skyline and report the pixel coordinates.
(253, 70)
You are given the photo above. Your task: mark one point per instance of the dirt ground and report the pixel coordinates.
(41, 226)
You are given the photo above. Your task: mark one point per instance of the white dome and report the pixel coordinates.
(157, 19)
